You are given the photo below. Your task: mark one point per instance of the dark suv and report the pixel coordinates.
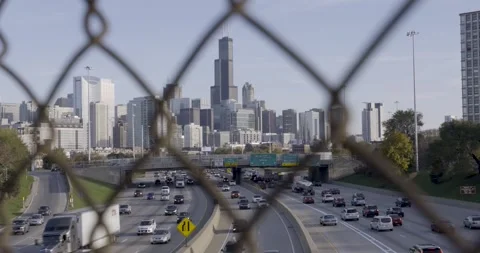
(138, 193)
(370, 211)
(403, 202)
(183, 215)
(45, 211)
(338, 201)
(178, 199)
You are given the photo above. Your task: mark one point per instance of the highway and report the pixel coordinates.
(356, 236)
(196, 202)
(272, 233)
(52, 191)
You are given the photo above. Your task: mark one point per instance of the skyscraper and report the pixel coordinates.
(470, 43)
(248, 94)
(372, 118)
(289, 121)
(224, 88)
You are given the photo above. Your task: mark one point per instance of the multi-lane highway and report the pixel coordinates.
(196, 202)
(273, 231)
(356, 236)
(51, 191)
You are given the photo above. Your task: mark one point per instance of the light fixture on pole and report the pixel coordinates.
(412, 35)
(88, 68)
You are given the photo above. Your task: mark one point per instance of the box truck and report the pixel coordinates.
(76, 230)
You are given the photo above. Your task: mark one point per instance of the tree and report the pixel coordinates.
(13, 153)
(397, 147)
(403, 122)
(49, 161)
(249, 148)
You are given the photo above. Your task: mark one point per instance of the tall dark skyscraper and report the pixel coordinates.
(224, 88)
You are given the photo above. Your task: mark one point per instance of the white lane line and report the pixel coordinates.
(124, 240)
(384, 248)
(283, 222)
(402, 236)
(226, 239)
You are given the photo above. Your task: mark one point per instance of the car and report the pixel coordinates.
(317, 183)
(161, 236)
(425, 248)
(358, 195)
(164, 197)
(239, 225)
(381, 223)
(395, 210)
(45, 211)
(225, 180)
(241, 197)
(243, 204)
(190, 181)
(370, 211)
(325, 192)
(169, 180)
(396, 219)
(327, 198)
(151, 196)
(156, 174)
(219, 184)
(178, 199)
(262, 203)
(350, 214)
(183, 215)
(158, 182)
(231, 247)
(435, 226)
(328, 219)
(225, 188)
(141, 185)
(165, 190)
(358, 201)
(125, 209)
(338, 201)
(234, 194)
(232, 183)
(36, 219)
(146, 227)
(308, 200)
(472, 221)
(171, 210)
(403, 202)
(21, 225)
(138, 193)
(256, 198)
(335, 191)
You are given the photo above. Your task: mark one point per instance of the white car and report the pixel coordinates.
(472, 222)
(327, 198)
(37, 219)
(146, 227)
(165, 190)
(350, 214)
(161, 236)
(256, 198)
(328, 219)
(232, 183)
(381, 223)
(226, 188)
(164, 197)
(262, 203)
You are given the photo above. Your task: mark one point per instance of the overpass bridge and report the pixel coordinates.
(323, 166)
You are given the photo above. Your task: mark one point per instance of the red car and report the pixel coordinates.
(396, 219)
(308, 200)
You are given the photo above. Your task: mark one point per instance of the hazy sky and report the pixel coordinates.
(155, 36)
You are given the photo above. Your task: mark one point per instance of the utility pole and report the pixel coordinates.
(88, 68)
(412, 35)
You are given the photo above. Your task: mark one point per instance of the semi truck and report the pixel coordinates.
(303, 186)
(77, 230)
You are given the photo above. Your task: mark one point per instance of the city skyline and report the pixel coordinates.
(386, 79)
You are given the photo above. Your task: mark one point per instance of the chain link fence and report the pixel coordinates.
(338, 124)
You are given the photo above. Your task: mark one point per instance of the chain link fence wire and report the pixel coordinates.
(236, 7)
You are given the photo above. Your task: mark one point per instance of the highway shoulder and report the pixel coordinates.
(221, 233)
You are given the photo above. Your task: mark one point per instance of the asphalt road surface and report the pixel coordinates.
(196, 203)
(356, 236)
(272, 233)
(52, 191)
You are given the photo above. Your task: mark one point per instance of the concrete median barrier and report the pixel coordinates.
(202, 239)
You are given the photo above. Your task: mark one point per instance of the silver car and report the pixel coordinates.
(328, 219)
(36, 219)
(472, 221)
(161, 236)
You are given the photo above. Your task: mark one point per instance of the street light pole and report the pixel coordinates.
(412, 35)
(143, 137)
(133, 130)
(88, 68)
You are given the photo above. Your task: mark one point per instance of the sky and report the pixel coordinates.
(156, 36)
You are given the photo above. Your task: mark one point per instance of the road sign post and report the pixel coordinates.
(186, 227)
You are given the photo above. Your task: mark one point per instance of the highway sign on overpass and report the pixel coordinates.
(230, 162)
(263, 160)
(290, 160)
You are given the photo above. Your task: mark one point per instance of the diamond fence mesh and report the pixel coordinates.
(236, 7)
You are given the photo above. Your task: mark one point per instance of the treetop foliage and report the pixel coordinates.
(403, 122)
(13, 153)
(397, 147)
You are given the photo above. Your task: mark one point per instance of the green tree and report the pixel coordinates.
(397, 147)
(222, 151)
(249, 148)
(13, 153)
(49, 160)
(403, 122)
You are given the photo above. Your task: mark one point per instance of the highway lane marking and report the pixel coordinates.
(402, 236)
(384, 248)
(124, 240)
(283, 222)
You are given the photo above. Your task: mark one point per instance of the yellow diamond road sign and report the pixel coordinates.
(186, 227)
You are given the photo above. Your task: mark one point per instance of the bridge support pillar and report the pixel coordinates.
(319, 174)
(126, 174)
(237, 175)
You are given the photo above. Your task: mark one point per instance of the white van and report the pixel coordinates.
(381, 223)
(165, 190)
(180, 184)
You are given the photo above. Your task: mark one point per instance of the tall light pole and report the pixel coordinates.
(88, 68)
(133, 130)
(412, 35)
(396, 106)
